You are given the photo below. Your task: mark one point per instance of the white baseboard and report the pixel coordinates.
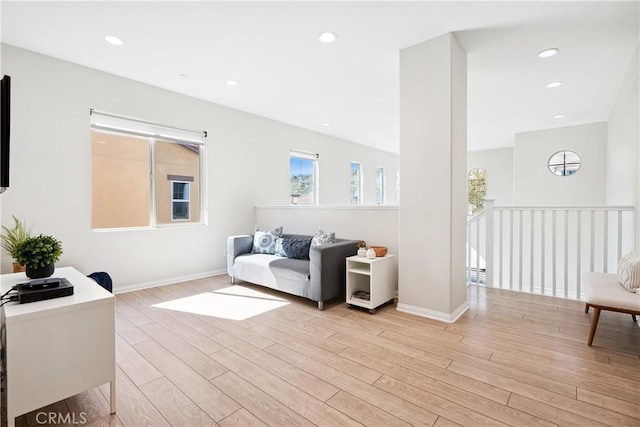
(432, 314)
(169, 281)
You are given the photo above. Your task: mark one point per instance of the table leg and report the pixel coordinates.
(112, 396)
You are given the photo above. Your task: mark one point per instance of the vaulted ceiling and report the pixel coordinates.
(349, 88)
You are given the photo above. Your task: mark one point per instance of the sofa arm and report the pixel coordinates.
(327, 269)
(237, 245)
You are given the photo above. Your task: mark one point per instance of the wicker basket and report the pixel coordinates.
(379, 250)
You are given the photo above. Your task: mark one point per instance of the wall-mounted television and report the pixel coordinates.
(5, 122)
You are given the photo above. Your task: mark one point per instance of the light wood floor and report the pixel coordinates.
(512, 359)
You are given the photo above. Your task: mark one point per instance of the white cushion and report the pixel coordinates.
(605, 290)
(629, 272)
(274, 272)
(254, 268)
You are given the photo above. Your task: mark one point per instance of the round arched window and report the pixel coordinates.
(564, 163)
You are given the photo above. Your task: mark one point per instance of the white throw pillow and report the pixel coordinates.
(322, 238)
(264, 242)
(629, 272)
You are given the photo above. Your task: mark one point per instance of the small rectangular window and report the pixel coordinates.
(180, 201)
(380, 187)
(356, 183)
(303, 178)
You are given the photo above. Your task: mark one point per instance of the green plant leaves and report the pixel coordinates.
(38, 251)
(12, 237)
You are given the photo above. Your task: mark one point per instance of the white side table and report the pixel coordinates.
(57, 348)
(376, 276)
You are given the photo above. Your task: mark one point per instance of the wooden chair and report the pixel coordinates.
(604, 292)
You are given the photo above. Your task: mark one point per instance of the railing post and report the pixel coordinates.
(489, 237)
(468, 254)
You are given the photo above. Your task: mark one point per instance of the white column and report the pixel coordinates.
(433, 160)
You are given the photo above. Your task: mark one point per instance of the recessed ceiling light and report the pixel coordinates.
(554, 84)
(548, 52)
(559, 116)
(326, 124)
(327, 37)
(113, 40)
(232, 83)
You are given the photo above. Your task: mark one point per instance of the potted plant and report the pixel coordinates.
(11, 237)
(39, 254)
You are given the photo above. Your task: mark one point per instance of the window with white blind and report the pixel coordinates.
(145, 174)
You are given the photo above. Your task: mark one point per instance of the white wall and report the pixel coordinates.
(623, 148)
(534, 184)
(335, 171)
(247, 165)
(499, 166)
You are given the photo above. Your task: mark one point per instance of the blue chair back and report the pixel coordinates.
(103, 279)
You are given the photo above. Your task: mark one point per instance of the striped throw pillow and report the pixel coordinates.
(629, 272)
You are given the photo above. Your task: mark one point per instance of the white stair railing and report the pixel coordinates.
(545, 250)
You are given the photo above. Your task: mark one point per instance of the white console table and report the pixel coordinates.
(57, 348)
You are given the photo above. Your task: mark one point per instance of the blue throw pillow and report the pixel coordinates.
(290, 247)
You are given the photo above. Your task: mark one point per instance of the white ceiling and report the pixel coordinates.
(284, 73)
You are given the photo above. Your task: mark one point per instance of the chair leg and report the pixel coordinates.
(594, 324)
(633, 316)
(586, 307)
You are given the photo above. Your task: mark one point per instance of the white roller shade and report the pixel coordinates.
(304, 154)
(113, 122)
